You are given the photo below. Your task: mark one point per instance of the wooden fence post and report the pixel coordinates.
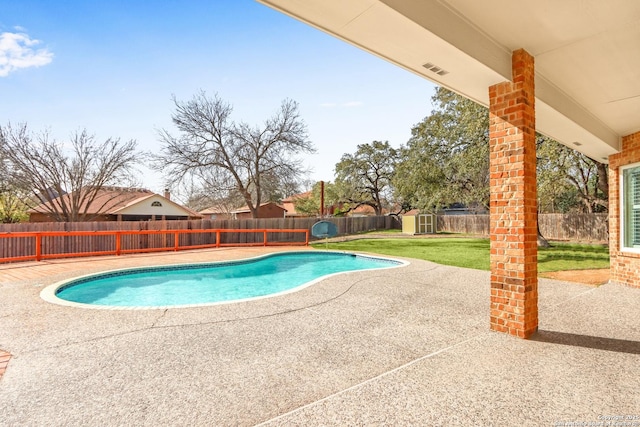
(38, 237)
(118, 242)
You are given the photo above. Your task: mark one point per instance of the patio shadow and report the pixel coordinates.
(587, 341)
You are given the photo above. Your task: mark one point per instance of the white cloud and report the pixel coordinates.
(17, 50)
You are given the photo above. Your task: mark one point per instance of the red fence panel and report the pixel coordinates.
(65, 244)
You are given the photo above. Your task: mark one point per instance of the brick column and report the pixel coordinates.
(514, 251)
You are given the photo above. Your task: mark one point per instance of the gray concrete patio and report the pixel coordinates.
(405, 346)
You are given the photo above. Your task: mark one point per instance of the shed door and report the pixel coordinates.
(426, 224)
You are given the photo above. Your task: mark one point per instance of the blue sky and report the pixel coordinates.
(112, 66)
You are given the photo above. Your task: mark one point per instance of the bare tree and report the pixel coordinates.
(227, 156)
(198, 198)
(66, 179)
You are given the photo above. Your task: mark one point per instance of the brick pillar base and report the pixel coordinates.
(514, 251)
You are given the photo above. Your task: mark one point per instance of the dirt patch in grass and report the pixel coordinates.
(590, 277)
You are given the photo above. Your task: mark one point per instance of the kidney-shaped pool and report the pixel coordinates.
(210, 283)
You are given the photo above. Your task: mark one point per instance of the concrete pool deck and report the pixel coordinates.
(404, 346)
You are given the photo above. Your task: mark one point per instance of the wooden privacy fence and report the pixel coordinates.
(467, 224)
(346, 225)
(45, 245)
(575, 227)
(58, 239)
(569, 227)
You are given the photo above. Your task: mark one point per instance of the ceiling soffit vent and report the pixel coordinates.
(434, 68)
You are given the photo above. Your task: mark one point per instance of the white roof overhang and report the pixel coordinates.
(587, 54)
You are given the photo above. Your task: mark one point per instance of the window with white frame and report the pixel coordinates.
(630, 208)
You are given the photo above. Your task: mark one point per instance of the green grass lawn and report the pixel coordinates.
(474, 253)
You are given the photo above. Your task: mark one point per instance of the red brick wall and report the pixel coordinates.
(625, 266)
(270, 210)
(514, 252)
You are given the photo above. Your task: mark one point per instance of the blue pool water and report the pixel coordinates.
(211, 283)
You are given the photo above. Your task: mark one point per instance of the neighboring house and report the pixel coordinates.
(215, 212)
(265, 210)
(289, 204)
(48, 194)
(462, 209)
(124, 204)
(366, 210)
(362, 210)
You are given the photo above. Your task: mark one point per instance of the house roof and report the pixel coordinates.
(121, 200)
(245, 209)
(213, 210)
(366, 210)
(143, 205)
(294, 197)
(289, 204)
(587, 54)
(412, 212)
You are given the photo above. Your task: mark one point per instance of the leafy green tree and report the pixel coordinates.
(364, 178)
(446, 160)
(14, 201)
(552, 183)
(568, 180)
(310, 204)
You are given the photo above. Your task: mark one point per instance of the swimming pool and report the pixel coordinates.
(210, 283)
